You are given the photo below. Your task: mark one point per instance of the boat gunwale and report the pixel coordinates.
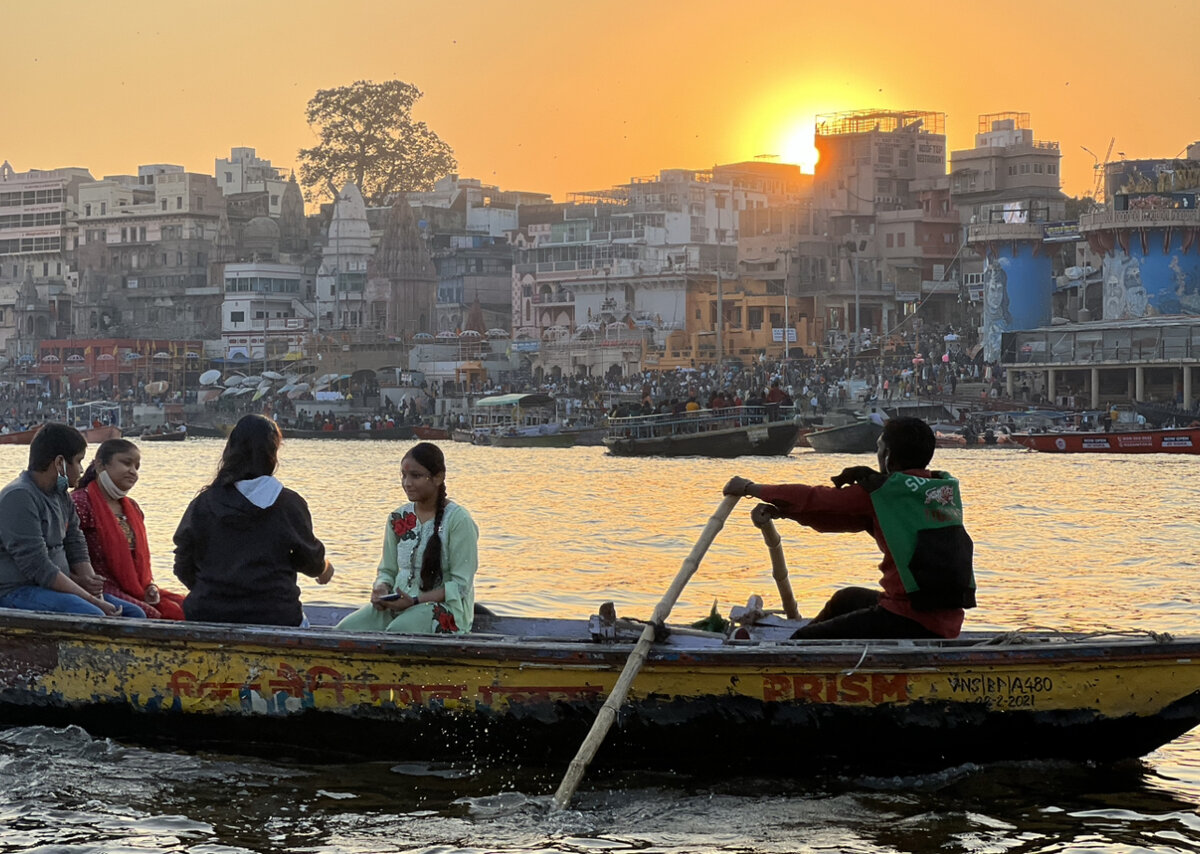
(1042, 647)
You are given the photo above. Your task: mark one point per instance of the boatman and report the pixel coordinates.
(916, 518)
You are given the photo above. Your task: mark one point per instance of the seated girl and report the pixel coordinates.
(115, 529)
(426, 578)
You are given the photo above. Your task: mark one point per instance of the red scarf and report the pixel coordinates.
(130, 570)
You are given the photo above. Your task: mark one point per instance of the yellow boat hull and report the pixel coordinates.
(873, 703)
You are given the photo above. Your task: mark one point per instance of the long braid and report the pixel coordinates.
(431, 563)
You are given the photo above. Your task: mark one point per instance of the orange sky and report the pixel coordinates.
(558, 96)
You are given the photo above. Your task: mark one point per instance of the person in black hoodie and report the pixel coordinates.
(245, 536)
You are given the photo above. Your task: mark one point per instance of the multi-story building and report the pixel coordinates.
(151, 255)
(878, 177)
(466, 225)
(264, 316)
(1006, 190)
(37, 242)
(244, 172)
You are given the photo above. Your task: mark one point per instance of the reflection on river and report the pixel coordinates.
(1061, 541)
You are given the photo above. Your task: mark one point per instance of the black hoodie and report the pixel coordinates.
(239, 560)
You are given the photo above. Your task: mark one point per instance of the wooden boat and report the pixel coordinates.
(169, 436)
(1166, 415)
(94, 435)
(430, 434)
(737, 431)
(1184, 440)
(219, 430)
(404, 431)
(528, 438)
(859, 437)
(530, 688)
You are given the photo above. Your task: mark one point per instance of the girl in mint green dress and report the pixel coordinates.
(426, 578)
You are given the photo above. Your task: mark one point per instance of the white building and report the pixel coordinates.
(244, 172)
(263, 315)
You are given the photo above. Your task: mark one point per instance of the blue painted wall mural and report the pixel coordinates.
(1158, 273)
(1017, 290)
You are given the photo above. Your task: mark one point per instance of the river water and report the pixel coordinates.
(1070, 542)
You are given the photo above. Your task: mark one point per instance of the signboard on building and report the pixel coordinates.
(907, 296)
(777, 335)
(525, 346)
(1061, 232)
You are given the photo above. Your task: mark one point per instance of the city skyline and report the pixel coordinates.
(555, 101)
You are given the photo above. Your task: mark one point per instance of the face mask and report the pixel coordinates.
(62, 483)
(111, 489)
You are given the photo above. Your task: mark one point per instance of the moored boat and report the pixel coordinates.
(859, 437)
(532, 687)
(1185, 440)
(168, 436)
(428, 433)
(94, 435)
(736, 431)
(403, 431)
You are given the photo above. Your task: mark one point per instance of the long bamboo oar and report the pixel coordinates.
(608, 712)
(779, 568)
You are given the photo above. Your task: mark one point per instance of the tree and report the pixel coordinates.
(368, 136)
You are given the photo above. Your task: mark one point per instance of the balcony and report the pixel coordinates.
(1148, 218)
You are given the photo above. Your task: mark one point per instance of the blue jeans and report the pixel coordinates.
(31, 598)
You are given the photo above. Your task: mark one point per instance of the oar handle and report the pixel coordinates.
(779, 570)
(608, 712)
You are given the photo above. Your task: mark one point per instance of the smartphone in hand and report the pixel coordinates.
(391, 597)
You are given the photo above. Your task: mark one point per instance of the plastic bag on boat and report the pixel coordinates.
(714, 622)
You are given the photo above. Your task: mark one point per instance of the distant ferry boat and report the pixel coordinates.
(1184, 440)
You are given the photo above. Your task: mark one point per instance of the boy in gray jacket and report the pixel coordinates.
(44, 563)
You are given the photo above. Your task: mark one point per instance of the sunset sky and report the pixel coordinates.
(557, 97)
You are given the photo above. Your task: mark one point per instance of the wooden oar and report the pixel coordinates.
(779, 568)
(608, 712)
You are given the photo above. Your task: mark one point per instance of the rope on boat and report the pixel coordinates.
(1025, 635)
(858, 663)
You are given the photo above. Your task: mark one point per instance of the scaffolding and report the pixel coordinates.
(987, 123)
(880, 121)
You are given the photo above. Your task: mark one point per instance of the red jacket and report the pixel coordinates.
(832, 510)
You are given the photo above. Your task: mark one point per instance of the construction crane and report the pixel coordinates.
(1101, 169)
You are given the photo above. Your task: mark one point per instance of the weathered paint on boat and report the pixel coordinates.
(531, 689)
(1184, 440)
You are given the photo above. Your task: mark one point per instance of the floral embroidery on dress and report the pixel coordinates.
(404, 525)
(443, 620)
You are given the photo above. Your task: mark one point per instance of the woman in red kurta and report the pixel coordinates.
(115, 530)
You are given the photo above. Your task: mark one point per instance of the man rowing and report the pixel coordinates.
(916, 518)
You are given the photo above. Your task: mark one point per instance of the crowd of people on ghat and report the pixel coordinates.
(73, 541)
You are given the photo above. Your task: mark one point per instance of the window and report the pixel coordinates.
(237, 317)
(1024, 168)
(900, 239)
(179, 203)
(1038, 168)
(87, 209)
(1052, 169)
(164, 204)
(1012, 170)
(124, 235)
(228, 177)
(274, 200)
(888, 242)
(103, 207)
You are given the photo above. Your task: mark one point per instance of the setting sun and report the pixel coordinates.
(796, 145)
